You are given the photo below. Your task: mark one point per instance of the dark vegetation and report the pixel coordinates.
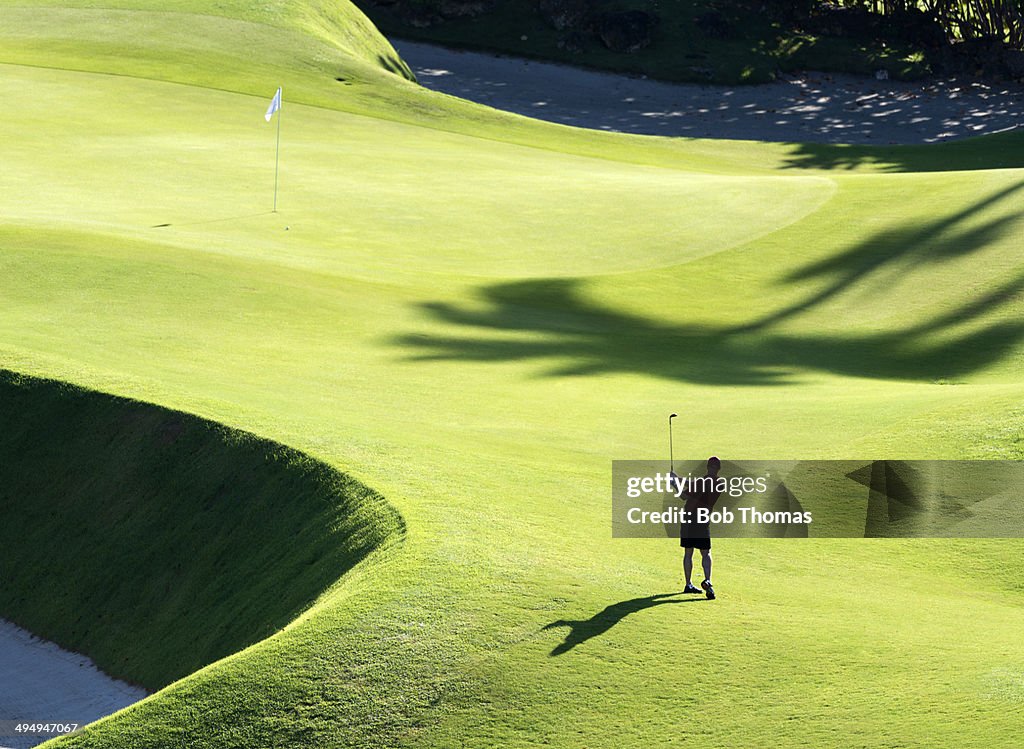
(157, 542)
(729, 40)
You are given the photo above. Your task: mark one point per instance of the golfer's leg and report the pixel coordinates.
(705, 560)
(688, 563)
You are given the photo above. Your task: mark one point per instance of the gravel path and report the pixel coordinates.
(814, 107)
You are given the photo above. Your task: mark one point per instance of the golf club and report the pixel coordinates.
(671, 457)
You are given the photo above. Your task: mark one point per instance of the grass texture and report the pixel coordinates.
(126, 523)
(473, 314)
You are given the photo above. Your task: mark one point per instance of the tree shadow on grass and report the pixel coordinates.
(886, 255)
(961, 155)
(584, 339)
(551, 320)
(581, 630)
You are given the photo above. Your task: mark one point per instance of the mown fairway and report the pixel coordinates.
(473, 314)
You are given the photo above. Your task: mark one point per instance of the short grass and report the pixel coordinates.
(472, 314)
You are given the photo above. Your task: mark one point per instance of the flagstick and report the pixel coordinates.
(277, 156)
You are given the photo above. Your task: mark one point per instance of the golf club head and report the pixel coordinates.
(672, 416)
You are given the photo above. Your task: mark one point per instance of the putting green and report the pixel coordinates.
(473, 314)
(198, 165)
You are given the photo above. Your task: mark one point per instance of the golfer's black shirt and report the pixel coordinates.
(702, 497)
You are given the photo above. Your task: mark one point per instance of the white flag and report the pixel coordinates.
(275, 104)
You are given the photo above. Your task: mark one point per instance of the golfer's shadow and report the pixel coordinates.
(581, 630)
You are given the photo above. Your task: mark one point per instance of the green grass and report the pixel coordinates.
(473, 314)
(755, 50)
(127, 523)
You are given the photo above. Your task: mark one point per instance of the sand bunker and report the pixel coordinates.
(41, 683)
(813, 107)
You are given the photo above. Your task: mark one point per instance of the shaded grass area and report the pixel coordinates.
(582, 339)
(754, 50)
(998, 151)
(158, 542)
(554, 322)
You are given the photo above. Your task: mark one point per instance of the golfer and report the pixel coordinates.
(694, 535)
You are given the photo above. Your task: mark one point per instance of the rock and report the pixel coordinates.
(626, 31)
(566, 14)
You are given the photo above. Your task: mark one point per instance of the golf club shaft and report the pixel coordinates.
(671, 454)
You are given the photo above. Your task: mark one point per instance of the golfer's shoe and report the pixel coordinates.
(691, 588)
(708, 590)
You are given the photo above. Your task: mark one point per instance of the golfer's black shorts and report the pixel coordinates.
(695, 535)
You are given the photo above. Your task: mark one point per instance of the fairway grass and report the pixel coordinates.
(473, 314)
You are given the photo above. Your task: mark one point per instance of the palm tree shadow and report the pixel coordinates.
(581, 630)
(552, 320)
(960, 155)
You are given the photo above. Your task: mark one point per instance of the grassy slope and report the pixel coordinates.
(127, 523)
(474, 326)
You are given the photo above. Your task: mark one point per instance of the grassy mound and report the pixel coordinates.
(159, 542)
(160, 37)
(474, 313)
